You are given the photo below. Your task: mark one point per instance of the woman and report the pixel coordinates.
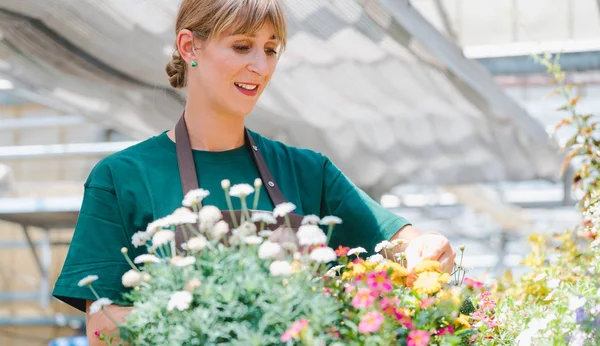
(226, 53)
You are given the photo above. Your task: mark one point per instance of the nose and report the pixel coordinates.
(259, 64)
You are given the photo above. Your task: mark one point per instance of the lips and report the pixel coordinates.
(248, 89)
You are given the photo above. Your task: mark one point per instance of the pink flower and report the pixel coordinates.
(294, 330)
(370, 322)
(405, 320)
(342, 251)
(97, 334)
(487, 305)
(349, 288)
(379, 281)
(485, 295)
(364, 298)
(418, 338)
(449, 330)
(388, 306)
(425, 303)
(473, 283)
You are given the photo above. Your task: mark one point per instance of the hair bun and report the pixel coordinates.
(176, 69)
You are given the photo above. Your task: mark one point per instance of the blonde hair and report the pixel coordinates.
(208, 19)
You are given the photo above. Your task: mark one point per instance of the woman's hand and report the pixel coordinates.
(430, 246)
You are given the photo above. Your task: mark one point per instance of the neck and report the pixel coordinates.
(211, 131)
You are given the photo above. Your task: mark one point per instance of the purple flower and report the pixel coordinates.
(579, 315)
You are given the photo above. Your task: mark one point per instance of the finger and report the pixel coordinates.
(413, 256)
(447, 261)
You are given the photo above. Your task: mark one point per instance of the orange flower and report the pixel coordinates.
(428, 283)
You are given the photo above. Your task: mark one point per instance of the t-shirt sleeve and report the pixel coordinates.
(364, 221)
(96, 245)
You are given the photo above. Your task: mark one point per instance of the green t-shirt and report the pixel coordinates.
(129, 189)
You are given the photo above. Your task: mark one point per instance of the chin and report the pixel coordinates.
(241, 111)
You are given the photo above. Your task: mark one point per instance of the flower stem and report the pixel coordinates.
(133, 266)
(244, 210)
(256, 196)
(94, 292)
(329, 232)
(287, 222)
(229, 205)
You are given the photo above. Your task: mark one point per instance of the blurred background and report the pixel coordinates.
(434, 107)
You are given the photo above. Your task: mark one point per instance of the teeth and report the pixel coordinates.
(246, 86)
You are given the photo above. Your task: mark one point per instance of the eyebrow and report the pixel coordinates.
(254, 35)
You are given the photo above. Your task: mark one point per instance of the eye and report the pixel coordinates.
(241, 48)
(271, 52)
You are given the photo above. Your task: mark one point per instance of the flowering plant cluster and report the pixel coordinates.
(252, 286)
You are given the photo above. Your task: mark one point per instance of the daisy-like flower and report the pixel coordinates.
(295, 330)
(280, 268)
(219, 230)
(283, 209)
(311, 235)
(462, 320)
(397, 242)
(323, 255)
(184, 262)
(331, 220)
(383, 245)
(267, 218)
(162, 237)
(253, 240)
(157, 225)
(376, 259)
(99, 304)
(131, 278)
(379, 282)
(371, 322)
(180, 300)
(269, 250)
(196, 243)
(356, 251)
(265, 233)
(146, 258)
(364, 298)
(139, 238)
(333, 272)
(241, 190)
(342, 251)
(418, 338)
(257, 183)
(209, 215)
(310, 220)
(194, 197)
(86, 281)
(182, 216)
(428, 265)
(428, 283)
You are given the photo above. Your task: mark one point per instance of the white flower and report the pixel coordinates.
(257, 183)
(220, 229)
(180, 300)
(280, 268)
(209, 216)
(576, 302)
(241, 190)
(132, 278)
(99, 304)
(269, 250)
(192, 285)
(283, 209)
(146, 277)
(267, 218)
(162, 237)
(397, 242)
(140, 238)
(87, 280)
(383, 245)
(185, 261)
(552, 284)
(331, 220)
(311, 220)
(333, 271)
(323, 255)
(578, 339)
(540, 277)
(356, 250)
(196, 243)
(376, 259)
(265, 233)
(157, 225)
(246, 229)
(182, 216)
(225, 184)
(400, 256)
(311, 235)
(253, 240)
(194, 197)
(146, 258)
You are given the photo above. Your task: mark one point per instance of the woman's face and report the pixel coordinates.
(233, 70)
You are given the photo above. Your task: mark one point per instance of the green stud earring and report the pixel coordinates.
(194, 64)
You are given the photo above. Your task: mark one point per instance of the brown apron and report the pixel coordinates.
(189, 181)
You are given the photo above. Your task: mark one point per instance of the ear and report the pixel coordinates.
(185, 45)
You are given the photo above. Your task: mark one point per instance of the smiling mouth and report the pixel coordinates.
(249, 87)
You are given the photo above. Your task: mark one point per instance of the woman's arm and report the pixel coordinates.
(100, 323)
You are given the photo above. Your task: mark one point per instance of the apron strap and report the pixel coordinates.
(187, 167)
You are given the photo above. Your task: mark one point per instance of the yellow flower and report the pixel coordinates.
(428, 265)
(427, 283)
(444, 278)
(399, 273)
(463, 321)
(451, 296)
(297, 266)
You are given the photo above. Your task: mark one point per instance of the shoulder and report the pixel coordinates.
(283, 151)
(104, 171)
